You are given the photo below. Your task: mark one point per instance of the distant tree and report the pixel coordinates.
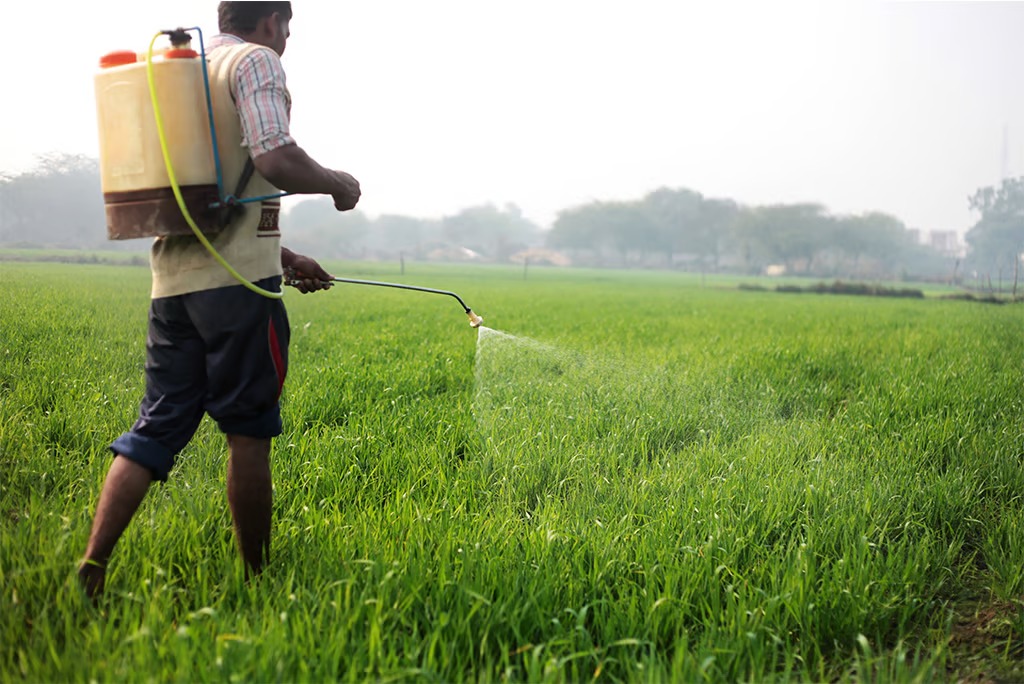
(393, 235)
(872, 245)
(851, 245)
(495, 232)
(57, 203)
(674, 222)
(715, 231)
(315, 226)
(622, 228)
(891, 244)
(628, 228)
(310, 214)
(789, 234)
(996, 241)
(924, 262)
(573, 230)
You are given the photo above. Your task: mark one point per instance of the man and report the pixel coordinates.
(213, 345)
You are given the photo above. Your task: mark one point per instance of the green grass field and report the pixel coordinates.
(624, 477)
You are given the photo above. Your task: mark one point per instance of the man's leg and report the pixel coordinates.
(246, 343)
(126, 485)
(250, 496)
(168, 417)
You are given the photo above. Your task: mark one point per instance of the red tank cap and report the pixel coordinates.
(118, 58)
(180, 53)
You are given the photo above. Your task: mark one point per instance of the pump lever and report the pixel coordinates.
(179, 37)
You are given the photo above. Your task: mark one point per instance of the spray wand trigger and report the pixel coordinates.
(298, 280)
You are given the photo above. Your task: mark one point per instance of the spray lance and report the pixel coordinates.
(138, 199)
(293, 277)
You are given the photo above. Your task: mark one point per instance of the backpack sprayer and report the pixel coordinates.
(143, 100)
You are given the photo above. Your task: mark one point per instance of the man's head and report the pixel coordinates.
(263, 23)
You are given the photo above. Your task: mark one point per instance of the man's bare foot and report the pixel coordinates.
(92, 576)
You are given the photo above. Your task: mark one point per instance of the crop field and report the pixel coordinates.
(622, 477)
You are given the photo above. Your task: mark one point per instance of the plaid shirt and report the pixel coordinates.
(261, 97)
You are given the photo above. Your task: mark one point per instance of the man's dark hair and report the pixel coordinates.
(242, 17)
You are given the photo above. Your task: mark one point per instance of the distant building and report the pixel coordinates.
(453, 253)
(541, 256)
(946, 242)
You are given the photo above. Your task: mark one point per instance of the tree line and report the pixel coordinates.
(680, 228)
(58, 203)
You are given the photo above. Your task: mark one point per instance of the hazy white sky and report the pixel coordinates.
(436, 106)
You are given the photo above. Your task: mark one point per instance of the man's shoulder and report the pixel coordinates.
(222, 40)
(250, 54)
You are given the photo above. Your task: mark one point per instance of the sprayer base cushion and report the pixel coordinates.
(155, 212)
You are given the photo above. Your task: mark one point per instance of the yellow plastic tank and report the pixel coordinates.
(136, 189)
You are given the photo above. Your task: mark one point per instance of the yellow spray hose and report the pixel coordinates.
(177, 190)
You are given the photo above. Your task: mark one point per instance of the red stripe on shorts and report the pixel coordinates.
(275, 354)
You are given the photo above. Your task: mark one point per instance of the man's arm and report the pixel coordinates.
(264, 112)
(264, 108)
(290, 169)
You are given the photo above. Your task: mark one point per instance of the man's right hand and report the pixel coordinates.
(348, 194)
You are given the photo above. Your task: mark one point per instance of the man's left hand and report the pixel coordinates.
(305, 274)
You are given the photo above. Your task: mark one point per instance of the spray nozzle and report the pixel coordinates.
(474, 320)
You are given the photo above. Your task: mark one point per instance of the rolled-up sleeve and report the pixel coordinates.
(263, 102)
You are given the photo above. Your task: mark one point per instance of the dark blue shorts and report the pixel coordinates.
(223, 352)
